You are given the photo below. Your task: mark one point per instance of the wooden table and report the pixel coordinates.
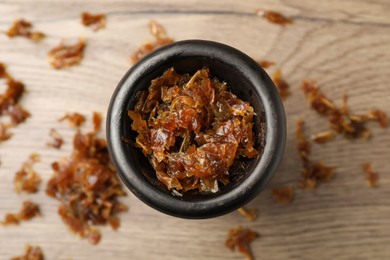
(343, 45)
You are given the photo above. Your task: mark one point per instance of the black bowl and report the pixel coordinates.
(247, 80)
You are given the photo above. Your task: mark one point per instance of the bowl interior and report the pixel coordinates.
(237, 83)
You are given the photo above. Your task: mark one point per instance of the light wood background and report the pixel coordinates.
(343, 45)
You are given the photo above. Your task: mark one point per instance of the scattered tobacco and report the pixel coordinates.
(9, 103)
(303, 144)
(4, 133)
(94, 21)
(97, 121)
(74, 119)
(18, 114)
(241, 238)
(57, 141)
(31, 253)
(161, 38)
(3, 71)
(23, 28)
(313, 172)
(27, 179)
(191, 128)
(66, 55)
(265, 64)
(28, 211)
(249, 214)
(283, 195)
(274, 17)
(324, 136)
(282, 86)
(11, 96)
(379, 116)
(87, 187)
(341, 120)
(371, 176)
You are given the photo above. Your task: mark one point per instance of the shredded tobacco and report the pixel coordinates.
(23, 28)
(4, 133)
(27, 179)
(9, 103)
(313, 172)
(31, 253)
(303, 144)
(249, 214)
(274, 17)
(265, 64)
(283, 195)
(241, 238)
(11, 96)
(66, 55)
(74, 119)
(57, 141)
(282, 86)
(3, 71)
(379, 116)
(87, 187)
(191, 128)
(324, 136)
(94, 21)
(161, 38)
(341, 120)
(28, 211)
(18, 114)
(372, 177)
(97, 121)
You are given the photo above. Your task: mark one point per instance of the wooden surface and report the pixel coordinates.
(343, 45)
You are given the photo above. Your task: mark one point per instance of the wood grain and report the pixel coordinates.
(342, 45)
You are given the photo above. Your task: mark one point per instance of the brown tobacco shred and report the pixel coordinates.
(74, 119)
(4, 133)
(191, 128)
(96, 22)
(87, 187)
(371, 176)
(3, 71)
(265, 64)
(57, 141)
(303, 145)
(66, 55)
(97, 121)
(313, 172)
(31, 253)
(284, 195)
(27, 179)
(9, 103)
(18, 114)
(23, 28)
(11, 96)
(241, 238)
(324, 136)
(28, 211)
(250, 214)
(274, 17)
(161, 38)
(341, 120)
(282, 86)
(318, 101)
(380, 116)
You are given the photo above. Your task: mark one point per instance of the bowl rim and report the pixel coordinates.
(250, 186)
